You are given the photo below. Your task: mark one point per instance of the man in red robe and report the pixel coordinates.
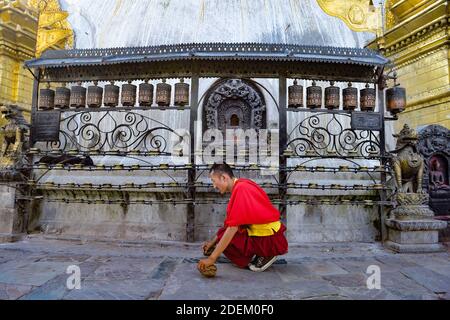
(252, 235)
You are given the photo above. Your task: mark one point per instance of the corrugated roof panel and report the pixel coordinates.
(217, 51)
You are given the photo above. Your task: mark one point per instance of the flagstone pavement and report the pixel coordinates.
(42, 268)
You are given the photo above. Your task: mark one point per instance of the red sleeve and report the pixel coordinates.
(249, 204)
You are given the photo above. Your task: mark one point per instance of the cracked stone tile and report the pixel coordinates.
(12, 291)
(394, 263)
(56, 288)
(433, 281)
(135, 289)
(18, 262)
(240, 284)
(34, 274)
(347, 280)
(324, 268)
(398, 281)
(230, 283)
(125, 268)
(356, 265)
(69, 258)
(295, 272)
(362, 293)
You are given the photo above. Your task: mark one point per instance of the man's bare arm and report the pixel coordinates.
(224, 242)
(220, 248)
(209, 244)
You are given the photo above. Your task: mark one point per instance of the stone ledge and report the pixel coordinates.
(414, 248)
(416, 225)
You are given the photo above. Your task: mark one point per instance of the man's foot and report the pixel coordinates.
(253, 261)
(262, 263)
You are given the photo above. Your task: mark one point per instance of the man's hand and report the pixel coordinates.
(205, 263)
(220, 248)
(207, 246)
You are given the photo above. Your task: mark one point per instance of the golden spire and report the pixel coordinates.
(54, 29)
(358, 15)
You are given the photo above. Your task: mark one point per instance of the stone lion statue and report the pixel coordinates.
(408, 164)
(12, 137)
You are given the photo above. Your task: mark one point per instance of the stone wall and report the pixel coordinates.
(306, 223)
(113, 221)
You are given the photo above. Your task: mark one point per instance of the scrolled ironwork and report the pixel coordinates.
(327, 134)
(113, 130)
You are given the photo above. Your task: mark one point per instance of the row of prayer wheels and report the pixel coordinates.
(395, 98)
(95, 96)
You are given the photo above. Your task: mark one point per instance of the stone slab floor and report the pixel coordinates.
(36, 268)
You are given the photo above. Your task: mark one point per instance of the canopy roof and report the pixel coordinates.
(280, 58)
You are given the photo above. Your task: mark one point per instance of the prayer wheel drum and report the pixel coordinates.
(112, 95)
(163, 93)
(94, 96)
(146, 94)
(367, 99)
(332, 97)
(46, 99)
(78, 96)
(350, 96)
(181, 93)
(62, 98)
(295, 99)
(129, 94)
(396, 99)
(314, 96)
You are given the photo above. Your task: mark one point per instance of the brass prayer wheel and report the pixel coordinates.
(47, 98)
(181, 93)
(332, 97)
(111, 95)
(94, 96)
(129, 94)
(350, 95)
(396, 99)
(146, 94)
(295, 99)
(367, 100)
(163, 93)
(314, 96)
(78, 96)
(62, 98)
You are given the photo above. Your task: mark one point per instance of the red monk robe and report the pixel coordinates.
(250, 209)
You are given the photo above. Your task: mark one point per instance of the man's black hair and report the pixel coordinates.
(222, 168)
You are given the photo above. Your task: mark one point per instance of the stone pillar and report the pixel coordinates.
(11, 219)
(411, 227)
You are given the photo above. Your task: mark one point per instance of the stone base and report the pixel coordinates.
(7, 238)
(414, 236)
(444, 234)
(11, 222)
(414, 248)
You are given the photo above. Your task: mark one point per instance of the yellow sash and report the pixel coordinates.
(263, 230)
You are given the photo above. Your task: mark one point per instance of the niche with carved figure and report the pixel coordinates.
(434, 145)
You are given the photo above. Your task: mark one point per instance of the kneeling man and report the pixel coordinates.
(252, 235)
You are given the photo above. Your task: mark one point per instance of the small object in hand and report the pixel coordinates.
(209, 272)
